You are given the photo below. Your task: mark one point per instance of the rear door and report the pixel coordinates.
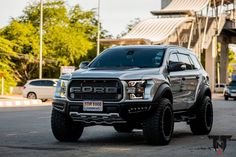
(48, 88)
(36, 87)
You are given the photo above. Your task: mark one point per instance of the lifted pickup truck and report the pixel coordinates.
(134, 87)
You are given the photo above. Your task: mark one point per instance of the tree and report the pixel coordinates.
(25, 38)
(69, 37)
(6, 53)
(231, 57)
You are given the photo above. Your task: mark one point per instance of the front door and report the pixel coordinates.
(176, 84)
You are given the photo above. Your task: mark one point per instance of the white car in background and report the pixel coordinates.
(40, 89)
(219, 88)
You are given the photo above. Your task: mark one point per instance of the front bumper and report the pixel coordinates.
(112, 112)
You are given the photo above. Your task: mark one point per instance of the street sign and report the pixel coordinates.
(67, 69)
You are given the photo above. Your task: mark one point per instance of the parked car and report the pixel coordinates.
(230, 90)
(40, 89)
(219, 88)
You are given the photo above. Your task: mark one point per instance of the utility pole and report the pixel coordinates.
(41, 41)
(99, 31)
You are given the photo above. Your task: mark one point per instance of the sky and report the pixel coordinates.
(115, 14)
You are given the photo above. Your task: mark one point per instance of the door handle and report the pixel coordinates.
(197, 77)
(183, 78)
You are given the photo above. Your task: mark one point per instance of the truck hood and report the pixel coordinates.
(122, 74)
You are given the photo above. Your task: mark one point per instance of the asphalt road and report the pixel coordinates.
(25, 132)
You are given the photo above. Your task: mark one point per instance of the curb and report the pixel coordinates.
(20, 103)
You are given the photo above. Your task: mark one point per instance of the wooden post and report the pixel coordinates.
(191, 35)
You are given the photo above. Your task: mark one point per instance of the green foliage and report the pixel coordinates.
(69, 36)
(231, 55)
(6, 53)
(25, 38)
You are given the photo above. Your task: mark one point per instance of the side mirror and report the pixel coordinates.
(84, 65)
(176, 66)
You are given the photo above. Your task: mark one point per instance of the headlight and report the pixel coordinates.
(136, 89)
(60, 91)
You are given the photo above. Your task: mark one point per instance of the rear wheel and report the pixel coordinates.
(204, 118)
(64, 129)
(31, 95)
(158, 128)
(126, 127)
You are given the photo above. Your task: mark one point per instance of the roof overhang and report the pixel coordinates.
(135, 41)
(150, 31)
(173, 12)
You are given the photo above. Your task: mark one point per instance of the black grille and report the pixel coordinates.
(95, 96)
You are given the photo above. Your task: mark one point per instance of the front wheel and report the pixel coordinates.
(226, 98)
(64, 129)
(204, 118)
(158, 128)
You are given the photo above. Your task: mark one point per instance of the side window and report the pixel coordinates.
(185, 59)
(48, 83)
(35, 83)
(173, 59)
(195, 62)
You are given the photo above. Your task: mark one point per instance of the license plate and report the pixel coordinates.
(93, 106)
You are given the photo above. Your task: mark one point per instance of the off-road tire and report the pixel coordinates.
(123, 128)
(64, 129)
(202, 125)
(158, 128)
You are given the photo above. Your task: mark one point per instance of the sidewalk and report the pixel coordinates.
(18, 101)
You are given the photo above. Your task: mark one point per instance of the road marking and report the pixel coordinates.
(114, 149)
(33, 132)
(22, 103)
(44, 117)
(11, 135)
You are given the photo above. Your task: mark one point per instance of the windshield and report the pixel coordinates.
(233, 83)
(126, 58)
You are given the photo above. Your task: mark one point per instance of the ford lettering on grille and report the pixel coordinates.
(88, 89)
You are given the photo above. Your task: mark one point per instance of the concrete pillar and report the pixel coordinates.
(164, 3)
(223, 62)
(210, 60)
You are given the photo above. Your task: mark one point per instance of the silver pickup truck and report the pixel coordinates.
(134, 87)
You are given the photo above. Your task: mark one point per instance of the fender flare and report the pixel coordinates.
(163, 90)
(204, 91)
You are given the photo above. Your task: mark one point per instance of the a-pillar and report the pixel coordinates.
(210, 60)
